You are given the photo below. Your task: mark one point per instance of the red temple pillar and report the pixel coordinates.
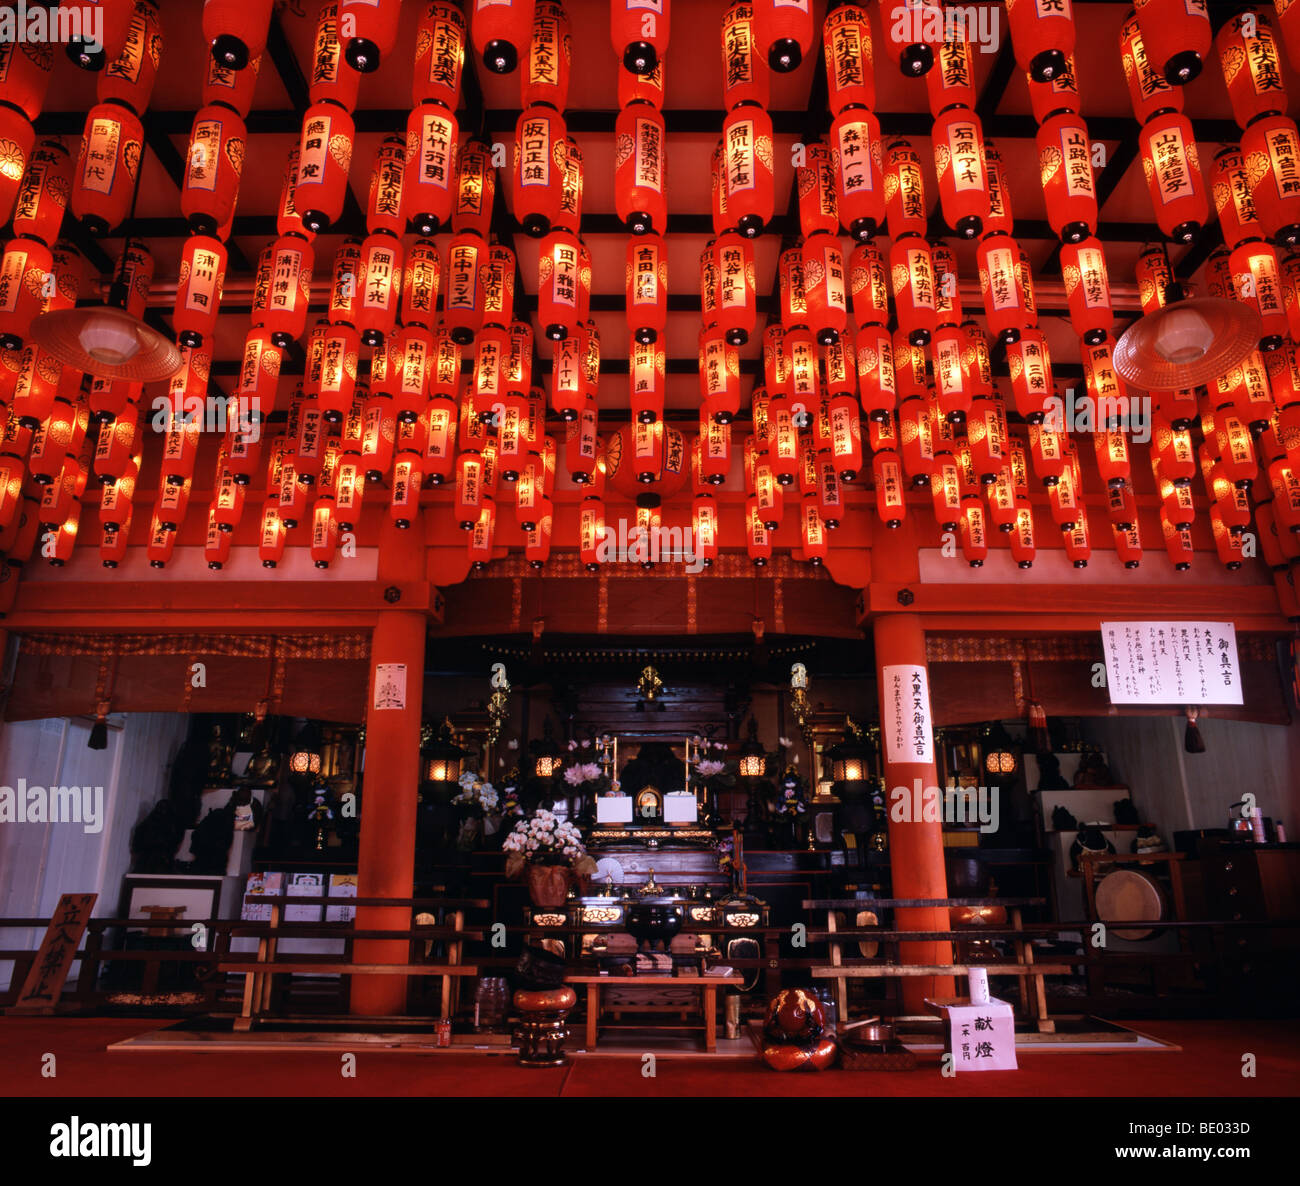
(386, 851)
(916, 854)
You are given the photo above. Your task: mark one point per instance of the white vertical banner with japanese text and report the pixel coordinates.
(1171, 662)
(905, 716)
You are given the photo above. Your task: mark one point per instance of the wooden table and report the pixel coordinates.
(708, 985)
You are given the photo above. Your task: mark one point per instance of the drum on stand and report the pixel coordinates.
(1126, 894)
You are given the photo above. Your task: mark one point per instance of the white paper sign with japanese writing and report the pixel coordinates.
(906, 717)
(983, 1037)
(390, 685)
(1171, 662)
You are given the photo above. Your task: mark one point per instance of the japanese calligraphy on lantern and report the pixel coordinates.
(905, 716)
(1171, 662)
(983, 1037)
(390, 685)
(44, 984)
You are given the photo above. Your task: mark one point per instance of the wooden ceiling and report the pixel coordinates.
(694, 116)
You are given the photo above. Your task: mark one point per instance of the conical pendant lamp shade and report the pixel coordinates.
(1186, 344)
(107, 342)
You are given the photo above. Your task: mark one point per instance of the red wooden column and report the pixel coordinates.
(915, 847)
(386, 853)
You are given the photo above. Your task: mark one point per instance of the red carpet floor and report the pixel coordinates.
(1208, 1065)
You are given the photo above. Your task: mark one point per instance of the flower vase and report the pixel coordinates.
(548, 885)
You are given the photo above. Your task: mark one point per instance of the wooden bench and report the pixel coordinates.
(1033, 993)
(708, 985)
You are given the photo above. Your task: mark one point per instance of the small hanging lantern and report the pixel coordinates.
(500, 31)
(324, 158)
(846, 43)
(379, 284)
(545, 74)
(911, 272)
(1148, 89)
(476, 184)
(370, 32)
(384, 201)
(284, 314)
(1087, 287)
(640, 183)
(439, 55)
(23, 272)
(539, 169)
(953, 82)
(25, 75)
(639, 32)
(869, 284)
(1006, 303)
(558, 284)
(107, 165)
(904, 188)
(236, 30)
(825, 295)
(1255, 279)
(746, 76)
(1176, 34)
(913, 26)
(747, 168)
(958, 139)
(860, 185)
(1065, 169)
(463, 305)
(887, 472)
(784, 31)
(1042, 36)
(1173, 174)
(1252, 68)
(42, 197)
(429, 180)
(198, 290)
(1271, 148)
(647, 287)
(647, 364)
(331, 77)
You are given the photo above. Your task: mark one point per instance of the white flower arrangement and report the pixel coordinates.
(582, 772)
(477, 794)
(545, 839)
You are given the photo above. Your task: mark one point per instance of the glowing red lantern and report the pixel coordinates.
(331, 77)
(745, 72)
(107, 165)
(570, 216)
(558, 266)
(986, 432)
(476, 183)
(639, 32)
(379, 288)
(954, 80)
(846, 43)
(1271, 147)
(647, 287)
(378, 436)
(1000, 219)
(1042, 35)
(1256, 282)
(887, 472)
(1173, 173)
(25, 74)
(1065, 170)
(1177, 37)
(950, 376)
(784, 32)
(545, 76)
(198, 290)
(1030, 367)
(236, 30)
(904, 188)
(1059, 93)
(1087, 287)
(539, 169)
(733, 299)
(747, 168)
(647, 364)
(1006, 303)
(914, 25)
(869, 284)
(42, 197)
(911, 273)
(958, 139)
(25, 274)
(324, 157)
(1252, 68)
(463, 305)
(640, 183)
(129, 78)
(860, 184)
(1148, 89)
(213, 166)
(428, 183)
(720, 376)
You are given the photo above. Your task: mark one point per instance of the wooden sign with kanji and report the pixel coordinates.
(44, 985)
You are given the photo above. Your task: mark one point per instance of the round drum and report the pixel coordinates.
(1130, 894)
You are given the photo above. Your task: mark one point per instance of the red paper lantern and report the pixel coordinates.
(429, 181)
(331, 78)
(846, 43)
(499, 30)
(958, 139)
(647, 365)
(42, 196)
(129, 78)
(384, 202)
(1271, 147)
(107, 165)
(1111, 448)
(234, 88)
(545, 76)
(734, 308)
(643, 88)
(463, 306)
(950, 376)
(212, 170)
(887, 473)
(720, 376)
(910, 368)
(476, 183)
(718, 190)
(913, 26)
(1148, 89)
(947, 288)
(954, 80)
(236, 30)
(815, 181)
(1042, 35)
(1257, 282)
(877, 387)
(860, 184)
(1087, 287)
(539, 169)
(1252, 67)
(746, 76)
(558, 264)
(1059, 93)
(805, 394)
(25, 276)
(570, 216)
(108, 19)
(916, 440)
(747, 168)
(784, 32)
(1006, 303)
(1030, 367)
(639, 32)
(1000, 219)
(1177, 36)
(378, 436)
(846, 436)
(25, 75)
(1173, 173)
(911, 274)
(905, 190)
(646, 287)
(1155, 279)
(324, 157)
(379, 288)
(368, 30)
(198, 290)
(986, 432)
(1233, 197)
(869, 284)
(1065, 169)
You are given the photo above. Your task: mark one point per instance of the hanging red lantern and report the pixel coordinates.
(911, 377)
(734, 302)
(958, 139)
(331, 77)
(545, 74)
(378, 436)
(947, 288)
(591, 533)
(805, 395)
(1023, 550)
(379, 288)
(746, 76)
(647, 364)
(794, 305)
(1226, 542)
(914, 25)
(129, 78)
(1006, 303)
(1042, 35)
(976, 364)
(537, 545)
(1000, 219)
(1111, 448)
(953, 82)
(916, 440)
(784, 32)
(324, 157)
(1030, 367)
(42, 197)
(412, 355)
(463, 306)
(1148, 89)
(869, 284)
(1155, 278)
(570, 215)
(98, 30)
(568, 390)
(558, 265)
(825, 294)
(1284, 480)
(1087, 287)
(369, 31)
(720, 376)
(887, 473)
(1173, 173)
(271, 533)
(539, 169)
(945, 492)
(715, 451)
(860, 184)
(481, 536)
(1256, 281)
(236, 30)
(911, 273)
(1059, 93)
(646, 287)
(107, 165)
(904, 190)
(846, 436)
(404, 493)
(429, 180)
(25, 68)
(812, 531)
(289, 294)
(384, 201)
(440, 441)
(499, 30)
(1252, 68)
(1178, 544)
(986, 432)
(1078, 544)
(198, 290)
(639, 32)
(340, 346)
(476, 183)
(846, 44)
(1236, 449)
(23, 281)
(747, 168)
(954, 393)
(1271, 147)
(1065, 169)
(1176, 34)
